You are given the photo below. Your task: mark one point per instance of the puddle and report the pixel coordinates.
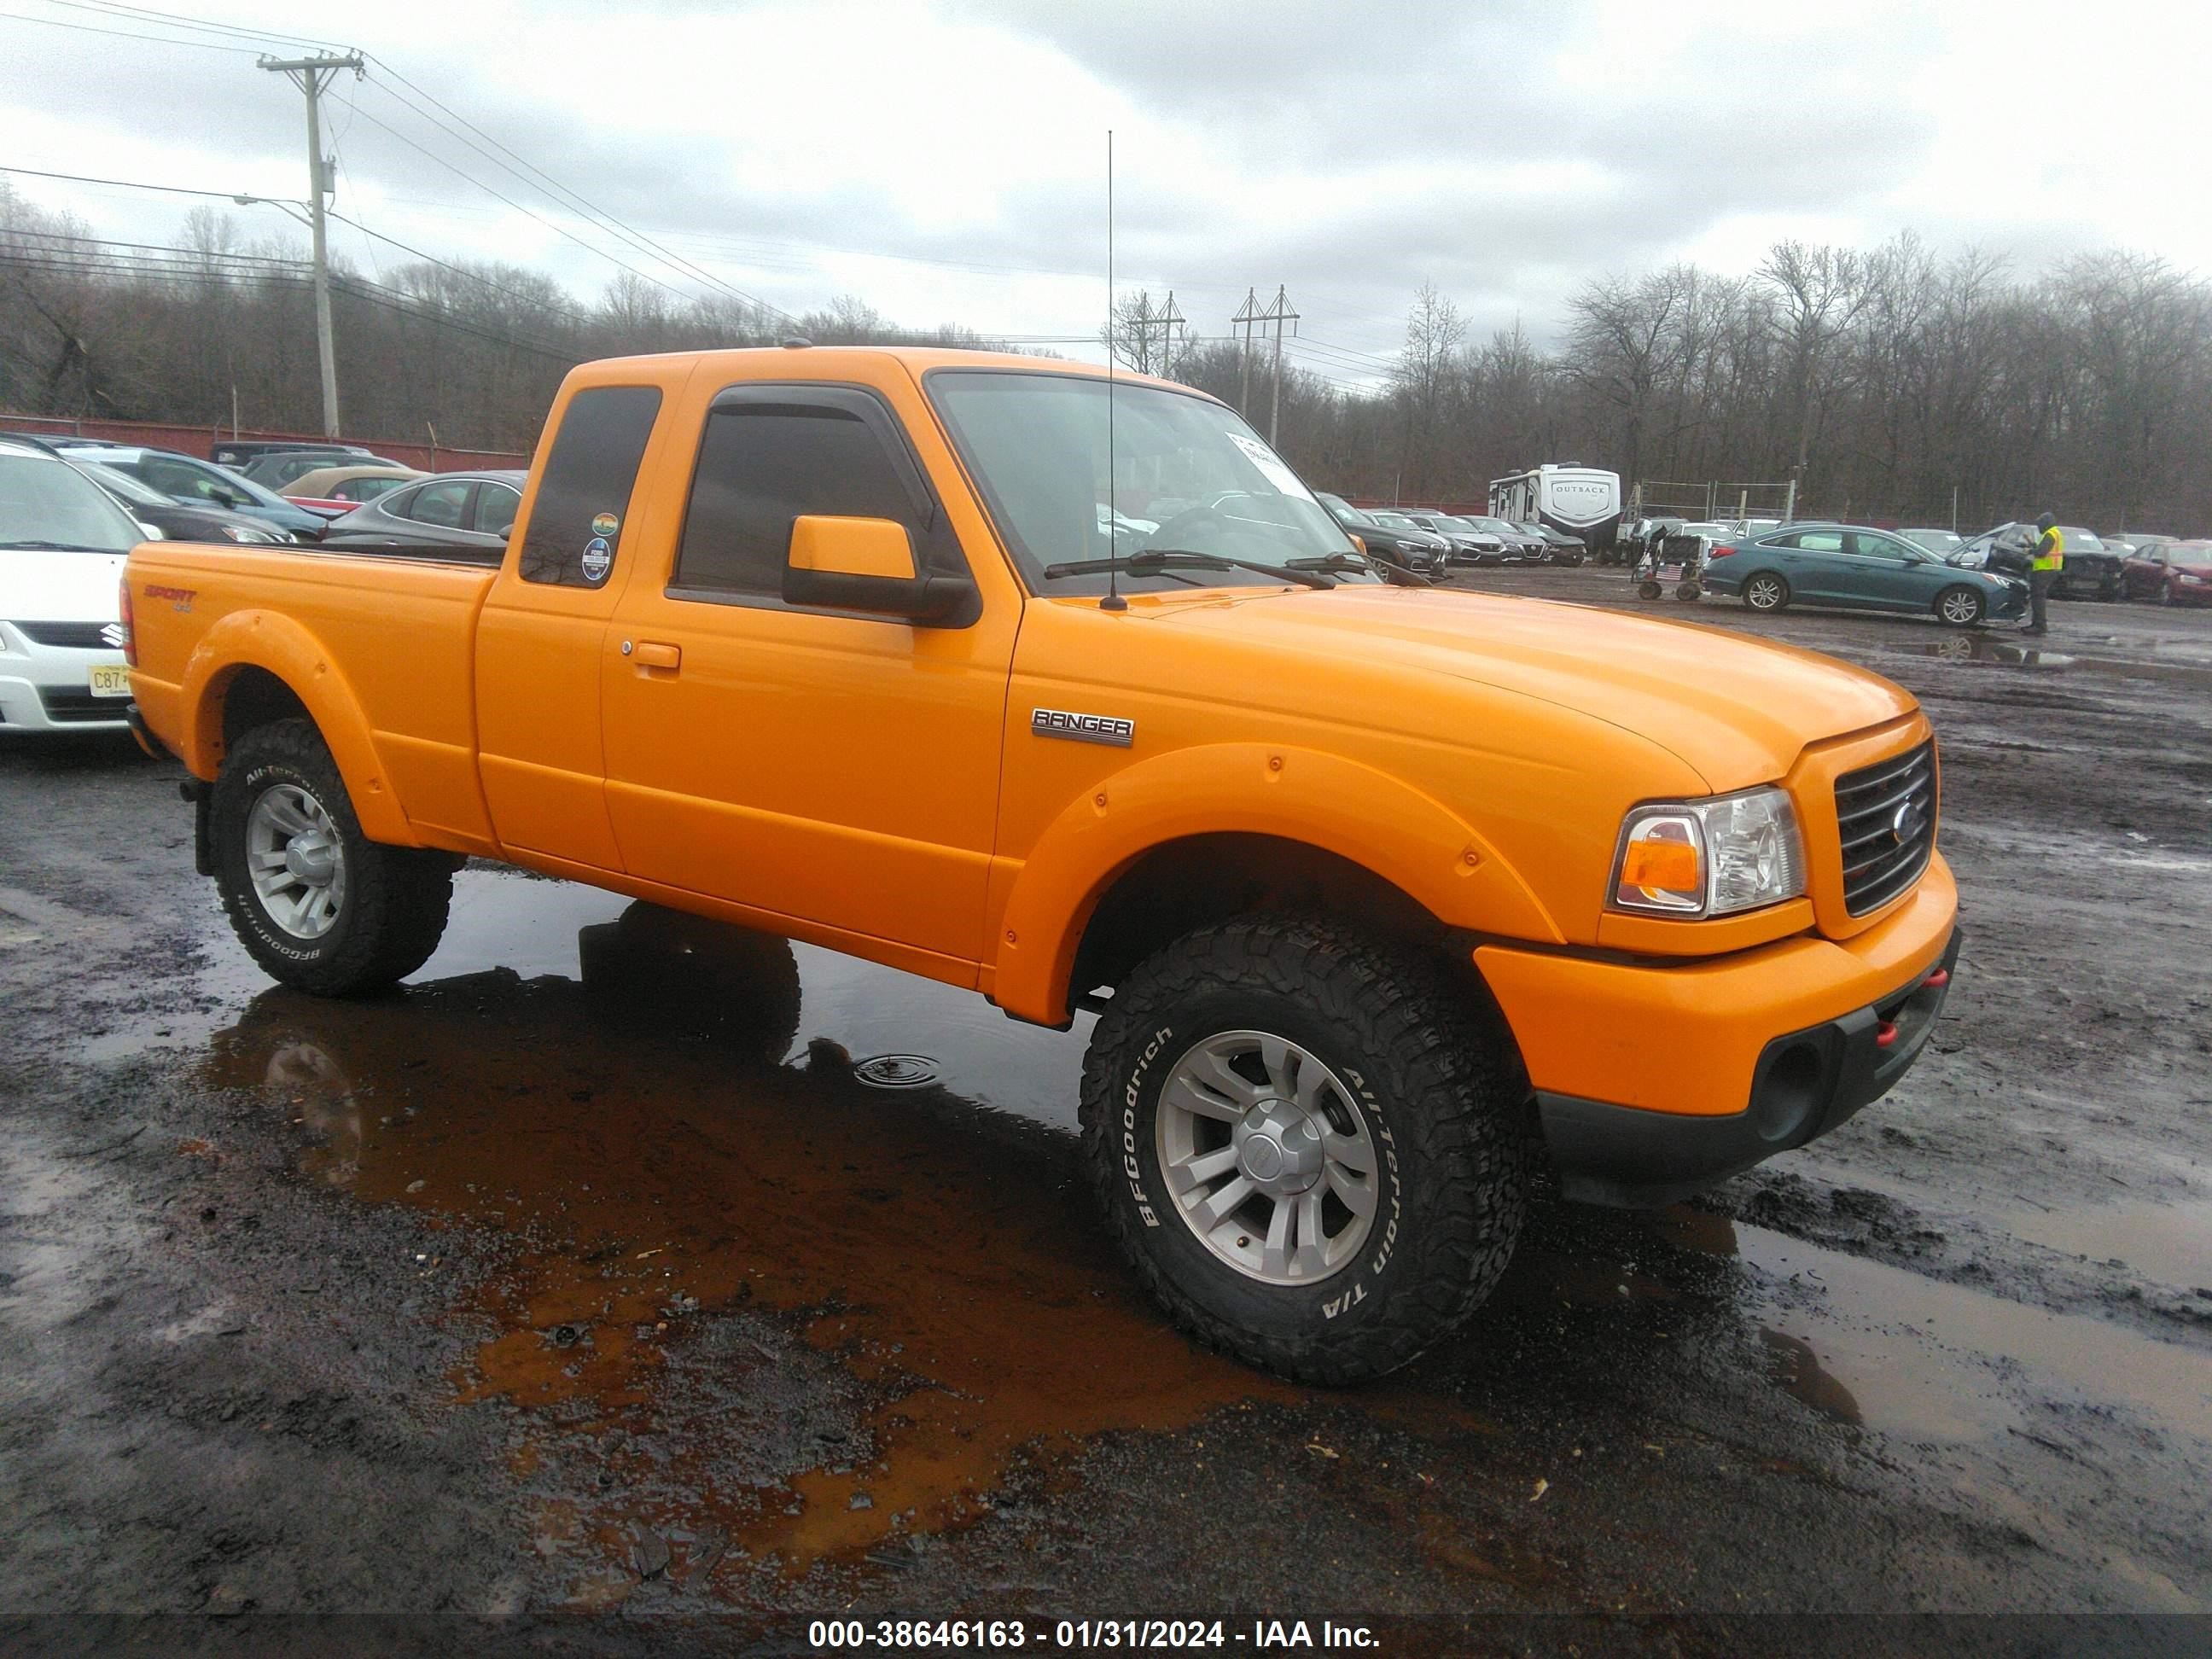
(2007, 652)
(1889, 1350)
(635, 1110)
(2169, 1243)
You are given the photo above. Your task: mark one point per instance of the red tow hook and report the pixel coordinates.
(1884, 1034)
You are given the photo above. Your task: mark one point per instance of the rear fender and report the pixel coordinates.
(1407, 838)
(270, 640)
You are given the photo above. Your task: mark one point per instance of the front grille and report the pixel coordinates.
(1885, 817)
(67, 707)
(78, 635)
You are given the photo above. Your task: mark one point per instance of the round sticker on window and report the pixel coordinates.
(598, 559)
(605, 524)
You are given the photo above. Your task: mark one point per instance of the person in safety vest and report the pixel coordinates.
(2043, 567)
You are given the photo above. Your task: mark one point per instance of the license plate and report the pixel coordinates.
(111, 681)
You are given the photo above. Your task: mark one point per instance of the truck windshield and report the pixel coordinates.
(1186, 474)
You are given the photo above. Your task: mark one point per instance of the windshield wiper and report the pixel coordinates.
(1158, 560)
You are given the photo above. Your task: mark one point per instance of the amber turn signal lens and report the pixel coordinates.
(1671, 866)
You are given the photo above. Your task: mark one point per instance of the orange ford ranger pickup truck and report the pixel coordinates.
(1068, 691)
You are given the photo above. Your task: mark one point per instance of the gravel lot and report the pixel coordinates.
(605, 1267)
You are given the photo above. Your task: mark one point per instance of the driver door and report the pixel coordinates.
(817, 766)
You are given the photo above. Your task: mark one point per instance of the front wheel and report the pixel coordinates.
(317, 904)
(1648, 590)
(1959, 607)
(1766, 592)
(1304, 1147)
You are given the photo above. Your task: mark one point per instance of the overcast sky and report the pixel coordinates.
(945, 161)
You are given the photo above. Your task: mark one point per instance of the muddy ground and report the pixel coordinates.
(650, 1272)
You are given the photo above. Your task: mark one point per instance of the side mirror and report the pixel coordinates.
(865, 564)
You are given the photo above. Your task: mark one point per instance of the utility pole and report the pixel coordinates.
(1247, 314)
(1277, 313)
(1171, 323)
(311, 75)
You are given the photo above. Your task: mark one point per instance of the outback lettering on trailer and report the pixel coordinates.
(1082, 728)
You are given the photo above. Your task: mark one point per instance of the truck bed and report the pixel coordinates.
(393, 632)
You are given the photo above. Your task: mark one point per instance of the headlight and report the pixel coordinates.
(1709, 857)
(240, 533)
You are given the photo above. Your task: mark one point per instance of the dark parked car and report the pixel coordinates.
(191, 481)
(179, 523)
(464, 512)
(2171, 572)
(2092, 568)
(1404, 543)
(229, 452)
(1564, 549)
(1858, 567)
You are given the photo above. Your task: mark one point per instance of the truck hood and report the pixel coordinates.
(1736, 711)
(38, 586)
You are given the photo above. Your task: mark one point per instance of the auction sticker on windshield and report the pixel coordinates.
(1270, 464)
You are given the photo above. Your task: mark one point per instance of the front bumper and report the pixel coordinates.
(49, 703)
(1806, 1083)
(1655, 1079)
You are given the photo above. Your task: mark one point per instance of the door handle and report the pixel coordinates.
(652, 654)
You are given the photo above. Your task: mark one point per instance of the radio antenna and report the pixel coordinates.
(1113, 601)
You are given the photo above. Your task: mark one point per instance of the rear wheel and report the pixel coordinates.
(1766, 592)
(1959, 607)
(317, 904)
(1304, 1146)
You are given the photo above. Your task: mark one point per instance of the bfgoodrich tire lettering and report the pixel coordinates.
(394, 899)
(1433, 1104)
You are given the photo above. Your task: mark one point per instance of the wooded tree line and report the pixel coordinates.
(1883, 380)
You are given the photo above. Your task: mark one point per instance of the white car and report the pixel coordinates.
(62, 542)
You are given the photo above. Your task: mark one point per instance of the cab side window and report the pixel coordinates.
(582, 508)
(761, 467)
(771, 454)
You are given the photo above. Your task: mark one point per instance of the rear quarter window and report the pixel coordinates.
(588, 477)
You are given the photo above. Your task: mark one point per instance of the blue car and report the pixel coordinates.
(1855, 568)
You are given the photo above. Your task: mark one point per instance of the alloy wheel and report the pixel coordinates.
(1268, 1160)
(296, 861)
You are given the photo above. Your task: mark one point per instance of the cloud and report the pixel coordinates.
(946, 161)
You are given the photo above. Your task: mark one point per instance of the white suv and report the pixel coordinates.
(62, 542)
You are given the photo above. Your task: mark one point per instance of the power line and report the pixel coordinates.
(204, 25)
(124, 34)
(553, 187)
(527, 212)
(132, 184)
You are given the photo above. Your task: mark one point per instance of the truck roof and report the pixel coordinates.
(746, 362)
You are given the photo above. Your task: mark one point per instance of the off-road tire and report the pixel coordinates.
(1439, 1100)
(1766, 583)
(395, 898)
(1944, 608)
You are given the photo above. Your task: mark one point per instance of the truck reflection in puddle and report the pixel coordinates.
(912, 1292)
